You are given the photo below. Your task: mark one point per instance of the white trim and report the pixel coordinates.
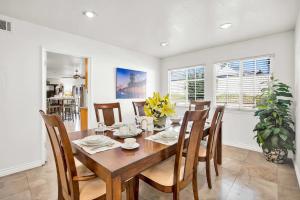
(297, 172)
(243, 146)
(21, 167)
(44, 101)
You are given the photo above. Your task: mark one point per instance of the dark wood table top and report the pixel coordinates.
(120, 161)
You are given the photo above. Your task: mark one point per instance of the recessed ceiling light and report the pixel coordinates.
(89, 14)
(225, 26)
(164, 44)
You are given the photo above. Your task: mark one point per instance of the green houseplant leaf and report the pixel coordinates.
(275, 128)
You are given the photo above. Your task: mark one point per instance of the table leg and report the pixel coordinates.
(219, 145)
(132, 188)
(114, 188)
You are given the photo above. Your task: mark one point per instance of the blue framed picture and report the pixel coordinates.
(130, 84)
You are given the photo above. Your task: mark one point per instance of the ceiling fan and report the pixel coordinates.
(75, 76)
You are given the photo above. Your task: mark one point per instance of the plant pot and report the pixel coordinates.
(160, 122)
(276, 155)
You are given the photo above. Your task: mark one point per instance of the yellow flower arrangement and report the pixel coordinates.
(159, 107)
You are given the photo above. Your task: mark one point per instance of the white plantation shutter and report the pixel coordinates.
(186, 84)
(239, 82)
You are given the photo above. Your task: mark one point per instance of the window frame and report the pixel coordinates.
(187, 101)
(240, 106)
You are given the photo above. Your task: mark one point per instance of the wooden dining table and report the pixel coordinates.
(118, 165)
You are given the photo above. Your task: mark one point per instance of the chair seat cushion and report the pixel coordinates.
(163, 173)
(90, 189)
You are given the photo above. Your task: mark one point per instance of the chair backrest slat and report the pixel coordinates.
(198, 119)
(215, 127)
(64, 160)
(200, 104)
(108, 112)
(138, 107)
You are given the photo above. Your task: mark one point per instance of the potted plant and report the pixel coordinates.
(159, 108)
(275, 129)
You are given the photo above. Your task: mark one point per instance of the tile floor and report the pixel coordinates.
(244, 175)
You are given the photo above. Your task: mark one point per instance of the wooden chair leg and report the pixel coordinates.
(208, 176)
(59, 191)
(176, 193)
(216, 165)
(195, 186)
(128, 188)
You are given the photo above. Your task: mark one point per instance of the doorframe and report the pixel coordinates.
(44, 51)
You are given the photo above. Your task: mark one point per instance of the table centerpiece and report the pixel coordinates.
(159, 108)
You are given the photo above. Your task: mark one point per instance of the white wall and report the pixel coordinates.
(297, 97)
(21, 89)
(238, 125)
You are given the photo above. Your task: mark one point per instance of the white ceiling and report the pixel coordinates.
(60, 65)
(142, 24)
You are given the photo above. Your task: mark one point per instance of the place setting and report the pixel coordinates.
(97, 143)
(168, 137)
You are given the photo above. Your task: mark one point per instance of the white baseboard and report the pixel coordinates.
(19, 168)
(297, 172)
(243, 146)
(252, 148)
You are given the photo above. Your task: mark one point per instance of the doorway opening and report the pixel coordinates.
(67, 89)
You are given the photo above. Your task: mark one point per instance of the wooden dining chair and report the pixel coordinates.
(71, 185)
(175, 173)
(199, 104)
(138, 107)
(108, 112)
(208, 152)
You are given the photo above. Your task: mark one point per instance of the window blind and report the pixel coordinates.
(186, 84)
(239, 82)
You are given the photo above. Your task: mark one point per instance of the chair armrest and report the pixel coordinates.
(84, 178)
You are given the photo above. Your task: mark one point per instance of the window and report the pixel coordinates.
(239, 82)
(186, 84)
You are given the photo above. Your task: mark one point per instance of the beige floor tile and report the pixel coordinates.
(243, 175)
(44, 191)
(43, 182)
(232, 165)
(13, 184)
(235, 153)
(287, 167)
(288, 193)
(259, 171)
(220, 187)
(259, 159)
(25, 195)
(13, 176)
(252, 188)
(287, 178)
